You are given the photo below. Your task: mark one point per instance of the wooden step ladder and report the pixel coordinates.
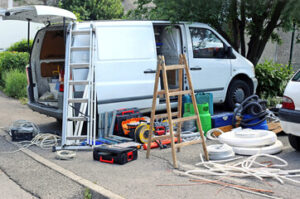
(73, 118)
(162, 68)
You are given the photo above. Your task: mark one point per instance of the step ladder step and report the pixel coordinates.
(77, 118)
(183, 119)
(79, 65)
(162, 137)
(188, 143)
(80, 32)
(83, 137)
(162, 92)
(165, 115)
(79, 82)
(175, 93)
(174, 67)
(80, 48)
(78, 100)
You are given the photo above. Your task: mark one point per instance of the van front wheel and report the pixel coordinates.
(237, 92)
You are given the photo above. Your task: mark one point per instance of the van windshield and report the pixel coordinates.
(296, 77)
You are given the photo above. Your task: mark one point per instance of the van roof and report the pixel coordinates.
(138, 21)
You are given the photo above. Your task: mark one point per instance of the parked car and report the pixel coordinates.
(290, 112)
(125, 59)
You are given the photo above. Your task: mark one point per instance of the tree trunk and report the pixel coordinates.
(258, 42)
(242, 28)
(234, 24)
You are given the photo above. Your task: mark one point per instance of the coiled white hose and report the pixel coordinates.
(248, 167)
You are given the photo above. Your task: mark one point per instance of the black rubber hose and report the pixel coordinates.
(254, 106)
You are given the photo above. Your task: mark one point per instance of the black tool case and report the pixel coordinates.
(114, 155)
(18, 134)
(122, 115)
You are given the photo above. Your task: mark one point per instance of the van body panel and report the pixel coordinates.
(39, 13)
(125, 51)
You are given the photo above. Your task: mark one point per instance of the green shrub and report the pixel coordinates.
(15, 82)
(20, 46)
(272, 78)
(13, 60)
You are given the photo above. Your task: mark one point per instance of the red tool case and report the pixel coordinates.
(114, 154)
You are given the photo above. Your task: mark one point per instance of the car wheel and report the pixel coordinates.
(294, 141)
(237, 92)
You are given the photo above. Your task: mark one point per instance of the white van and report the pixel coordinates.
(125, 59)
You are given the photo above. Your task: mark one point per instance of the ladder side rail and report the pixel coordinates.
(94, 117)
(153, 110)
(169, 111)
(179, 106)
(66, 85)
(89, 108)
(195, 106)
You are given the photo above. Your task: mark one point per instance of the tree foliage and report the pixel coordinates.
(233, 19)
(94, 9)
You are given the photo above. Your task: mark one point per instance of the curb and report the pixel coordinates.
(99, 191)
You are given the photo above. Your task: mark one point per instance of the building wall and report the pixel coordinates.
(3, 3)
(281, 52)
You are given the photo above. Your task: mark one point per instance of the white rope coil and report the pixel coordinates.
(249, 167)
(65, 155)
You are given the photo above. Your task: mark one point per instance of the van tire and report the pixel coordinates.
(238, 91)
(294, 142)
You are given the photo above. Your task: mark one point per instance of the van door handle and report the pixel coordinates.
(196, 68)
(149, 71)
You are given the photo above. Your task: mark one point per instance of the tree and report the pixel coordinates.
(94, 9)
(233, 19)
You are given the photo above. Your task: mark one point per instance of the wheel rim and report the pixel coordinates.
(239, 95)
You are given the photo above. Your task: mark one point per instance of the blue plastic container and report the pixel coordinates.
(220, 120)
(263, 125)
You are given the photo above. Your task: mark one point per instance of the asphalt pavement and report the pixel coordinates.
(142, 178)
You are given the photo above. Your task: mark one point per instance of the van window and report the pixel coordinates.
(296, 78)
(125, 42)
(206, 44)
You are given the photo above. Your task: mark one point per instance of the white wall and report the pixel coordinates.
(12, 31)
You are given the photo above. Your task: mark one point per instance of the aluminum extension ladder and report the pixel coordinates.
(77, 110)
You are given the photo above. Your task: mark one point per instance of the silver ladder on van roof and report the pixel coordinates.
(77, 110)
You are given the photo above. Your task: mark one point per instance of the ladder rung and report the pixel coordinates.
(81, 32)
(174, 67)
(165, 115)
(80, 48)
(183, 119)
(79, 65)
(77, 137)
(187, 143)
(78, 100)
(79, 82)
(175, 93)
(161, 92)
(162, 137)
(77, 118)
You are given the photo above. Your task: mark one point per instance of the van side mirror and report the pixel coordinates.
(228, 52)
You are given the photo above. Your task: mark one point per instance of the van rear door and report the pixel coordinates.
(38, 13)
(125, 64)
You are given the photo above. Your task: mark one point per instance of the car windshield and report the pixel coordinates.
(296, 77)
